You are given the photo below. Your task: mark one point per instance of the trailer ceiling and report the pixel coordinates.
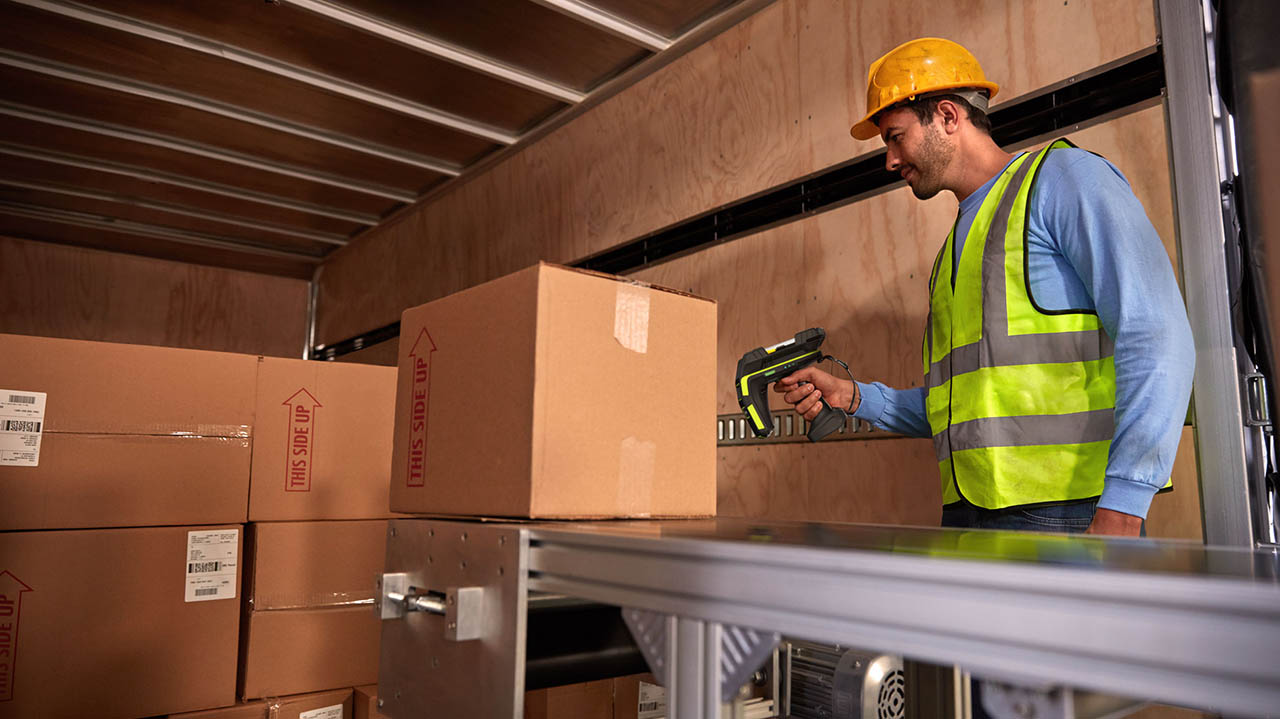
(265, 135)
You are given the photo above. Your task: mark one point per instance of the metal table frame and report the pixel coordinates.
(1198, 638)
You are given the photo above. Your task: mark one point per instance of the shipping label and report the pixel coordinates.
(333, 712)
(21, 424)
(652, 703)
(212, 556)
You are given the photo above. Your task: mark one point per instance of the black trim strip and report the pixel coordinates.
(1108, 90)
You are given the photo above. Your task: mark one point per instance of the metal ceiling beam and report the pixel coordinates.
(323, 237)
(171, 143)
(694, 37)
(437, 48)
(320, 80)
(609, 22)
(190, 183)
(115, 83)
(97, 222)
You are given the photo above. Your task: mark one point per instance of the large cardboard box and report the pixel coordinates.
(638, 697)
(588, 700)
(366, 703)
(319, 705)
(322, 440)
(128, 435)
(118, 623)
(309, 623)
(557, 393)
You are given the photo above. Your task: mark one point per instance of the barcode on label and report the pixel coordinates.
(648, 706)
(21, 425)
(206, 592)
(22, 399)
(195, 567)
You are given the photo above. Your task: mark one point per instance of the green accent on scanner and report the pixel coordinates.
(751, 409)
(769, 369)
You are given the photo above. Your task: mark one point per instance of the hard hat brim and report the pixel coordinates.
(866, 128)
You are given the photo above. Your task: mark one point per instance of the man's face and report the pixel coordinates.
(918, 152)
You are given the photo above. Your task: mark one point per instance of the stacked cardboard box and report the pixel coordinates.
(141, 484)
(322, 454)
(549, 393)
(309, 622)
(145, 463)
(366, 703)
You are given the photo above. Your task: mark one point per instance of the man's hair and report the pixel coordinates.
(924, 108)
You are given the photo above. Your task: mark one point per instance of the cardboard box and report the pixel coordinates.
(638, 697)
(320, 705)
(299, 650)
(309, 623)
(118, 623)
(312, 565)
(131, 435)
(588, 700)
(366, 703)
(322, 440)
(552, 393)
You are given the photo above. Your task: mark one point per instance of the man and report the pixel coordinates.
(1057, 357)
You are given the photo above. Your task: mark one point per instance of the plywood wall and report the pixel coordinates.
(765, 102)
(61, 291)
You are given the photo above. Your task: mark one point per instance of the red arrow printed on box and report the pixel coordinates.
(300, 441)
(11, 591)
(419, 400)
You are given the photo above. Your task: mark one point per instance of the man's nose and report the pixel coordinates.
(891, 161)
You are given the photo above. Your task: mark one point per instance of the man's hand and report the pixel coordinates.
(840, 393)
(1116, 524)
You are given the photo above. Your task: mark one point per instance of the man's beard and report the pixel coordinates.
(934, 156)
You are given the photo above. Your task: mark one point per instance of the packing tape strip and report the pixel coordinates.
(315, 600)
(631, 317)
(171, 430)
(636, 461)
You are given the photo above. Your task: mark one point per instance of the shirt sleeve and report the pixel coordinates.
(894, 410)
(1100, 227)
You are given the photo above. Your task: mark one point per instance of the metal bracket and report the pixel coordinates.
(742, 650)
(462, 607)
(457, 591)
(1255, 386)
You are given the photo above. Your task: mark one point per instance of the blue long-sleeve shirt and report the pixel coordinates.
(1091, 246)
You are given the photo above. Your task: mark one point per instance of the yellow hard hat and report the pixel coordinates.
(914, 68)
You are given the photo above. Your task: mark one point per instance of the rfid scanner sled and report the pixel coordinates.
(763, 366)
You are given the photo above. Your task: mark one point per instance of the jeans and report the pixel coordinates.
(1070, 518)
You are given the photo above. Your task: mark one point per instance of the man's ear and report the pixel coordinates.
(950, 115)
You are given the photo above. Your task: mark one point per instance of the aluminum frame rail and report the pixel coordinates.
(1165, 621)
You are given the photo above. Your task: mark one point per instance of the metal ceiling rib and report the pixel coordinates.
(89, 77)
(147, 175)
(323, 237)
(610, 23)
(443, 50)
(83, 219)
(213, 153)
(198, 81)
(306, 76)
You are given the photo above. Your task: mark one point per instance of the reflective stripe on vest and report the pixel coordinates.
(1021, 400)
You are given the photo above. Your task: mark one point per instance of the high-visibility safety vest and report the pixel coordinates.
(1021, 400)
